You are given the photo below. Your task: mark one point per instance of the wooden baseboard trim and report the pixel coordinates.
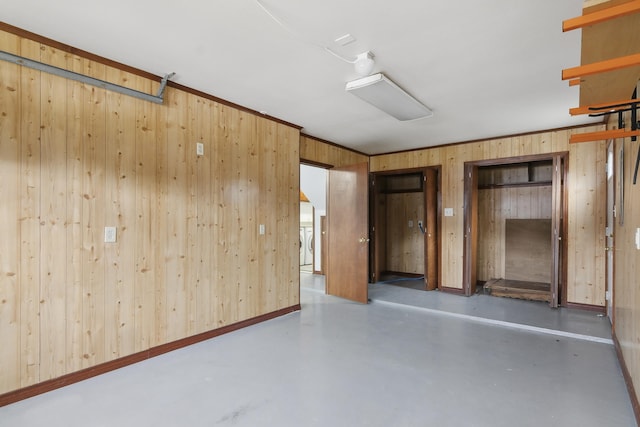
(448, 290)
(589, 307)
(55, 383)
(627, 379)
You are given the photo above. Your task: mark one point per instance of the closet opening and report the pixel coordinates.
(405, 224)
(515, 222)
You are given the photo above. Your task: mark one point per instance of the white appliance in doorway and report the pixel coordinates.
(303, 245)
(308, 247)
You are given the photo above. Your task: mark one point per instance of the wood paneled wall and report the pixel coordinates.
(586, 205)
(404, 244)
(627, 260)
(495, 206)
(188, 257)
(314, 150)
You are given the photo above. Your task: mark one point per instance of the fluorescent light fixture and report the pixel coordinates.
(382, 93)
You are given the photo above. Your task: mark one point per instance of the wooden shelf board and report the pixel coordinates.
(602, 135)
(602, 15)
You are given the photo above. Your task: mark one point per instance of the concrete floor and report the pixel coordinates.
(338, 363)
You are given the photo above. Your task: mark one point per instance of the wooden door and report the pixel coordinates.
(557, 229)
(323, 244)
(431, 230)
(470, 228)
(348, 233)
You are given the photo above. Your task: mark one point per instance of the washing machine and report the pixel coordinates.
(303, 244)
(308, 247)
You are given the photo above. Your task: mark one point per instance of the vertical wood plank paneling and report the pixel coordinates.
(93, 214)
(29, 114)
(202, 132)
(268, 204)
(75, 225)
(146, 226)
(627, 260)
(253, 279)
(53, 273)
(495, 206)
(76, 159)
(241, 214)
(120, 212)
(177, 209)
(288, 156)
(10, 226)
(222, 185)
(156, 321)
(582, 228)
(191, 256)
(230, 219)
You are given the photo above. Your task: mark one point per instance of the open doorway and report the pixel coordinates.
(313, 210)
(514, 228)
(404, 209)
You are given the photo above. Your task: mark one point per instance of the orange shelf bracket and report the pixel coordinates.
(601, 16)
(601, 67)
(602, 135)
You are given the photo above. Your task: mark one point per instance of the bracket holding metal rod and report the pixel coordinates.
(163, 84)
(61, 72)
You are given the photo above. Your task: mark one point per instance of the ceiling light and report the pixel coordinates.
(385, 95)
(364, 64)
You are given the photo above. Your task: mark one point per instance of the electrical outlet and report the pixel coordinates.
(262, 229)
(109, 234)
(638, 238)
(199, 149)
(419, 224)
(410, 224)
(448, 211)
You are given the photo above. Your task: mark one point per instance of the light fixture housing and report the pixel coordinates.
(364, 64)
(379, 91)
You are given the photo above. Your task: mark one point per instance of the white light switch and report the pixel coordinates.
(638, 238)
(262, 229)
(200, 149)
(109, 234)
(448, 211)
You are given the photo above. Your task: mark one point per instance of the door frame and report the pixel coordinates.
(612, 200)
(374, 271)
(559, 220)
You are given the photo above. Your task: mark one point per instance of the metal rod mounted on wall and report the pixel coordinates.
(61, 72)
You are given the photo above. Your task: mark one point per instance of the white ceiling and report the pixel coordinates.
(486, 68)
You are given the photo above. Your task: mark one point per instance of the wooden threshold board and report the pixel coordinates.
(533, 291)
